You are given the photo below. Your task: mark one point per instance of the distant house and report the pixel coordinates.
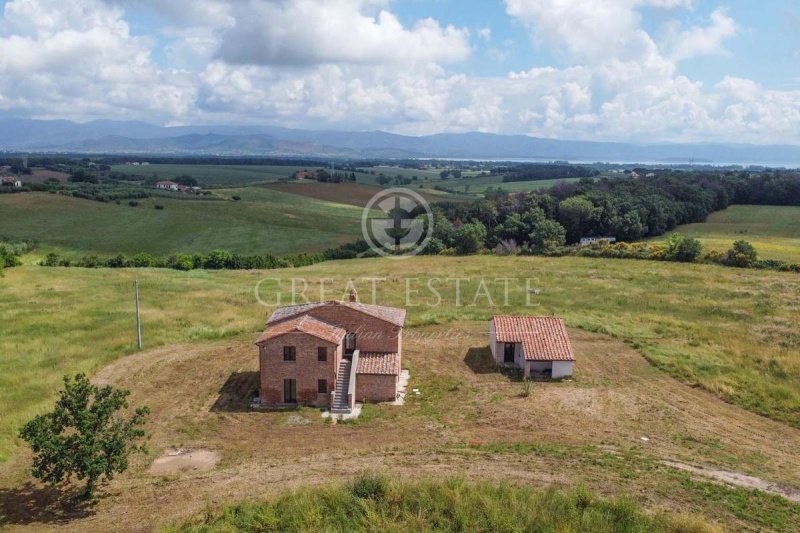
(168, 185)
(10, 181)
(304, 174)
(538, 345)
(331, 354)
(586, 241)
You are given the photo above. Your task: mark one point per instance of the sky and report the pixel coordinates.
(611, 70)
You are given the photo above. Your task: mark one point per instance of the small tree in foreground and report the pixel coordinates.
(83, 435)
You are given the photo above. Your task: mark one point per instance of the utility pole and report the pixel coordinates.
(138, 316)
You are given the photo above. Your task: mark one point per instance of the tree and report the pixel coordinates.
(682, 249)
(743, 254)
(469, 238)
(547, 235)
(576, 215)
(84, 436)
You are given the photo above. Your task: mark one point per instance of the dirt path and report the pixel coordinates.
(199, 395)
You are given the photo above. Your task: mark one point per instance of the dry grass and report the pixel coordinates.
(469, 421)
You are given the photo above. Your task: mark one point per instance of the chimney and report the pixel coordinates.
(353, 295)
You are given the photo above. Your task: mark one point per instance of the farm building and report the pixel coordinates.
(10, 181)
(586, 241)
(168, 185)
(331, 354)
(538, 345)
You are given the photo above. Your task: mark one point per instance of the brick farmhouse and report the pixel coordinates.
(331, 354)
(538, 345)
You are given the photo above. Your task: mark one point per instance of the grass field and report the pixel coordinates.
(264, 221)
(214, 174)
(773, 230)
(371, 503)
(724, 333)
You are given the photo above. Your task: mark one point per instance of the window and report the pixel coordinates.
(289, 353)
(322, 386)
(289, 391)
(322, 353)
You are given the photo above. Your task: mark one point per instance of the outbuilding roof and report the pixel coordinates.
(543, 338)
(393, 315)
(304, 324)
(378, 363)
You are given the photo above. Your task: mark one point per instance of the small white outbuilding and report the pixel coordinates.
(538, 345)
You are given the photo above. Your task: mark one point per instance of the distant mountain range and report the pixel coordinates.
(130, 137)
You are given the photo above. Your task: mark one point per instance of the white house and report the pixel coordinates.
(10, 181)
(586, 241)
(538, 345)
(167, 184)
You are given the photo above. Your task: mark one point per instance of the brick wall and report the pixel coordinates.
(306, 370)
(376, 388)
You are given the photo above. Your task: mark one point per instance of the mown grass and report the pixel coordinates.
(733, 332)
(773, 230)
(371, 503)
(213, 174)
(264, 221)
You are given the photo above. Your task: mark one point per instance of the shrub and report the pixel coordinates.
(682, 249)
(133, 203)
(158, 207)
(236, 198)
(369, 486)
(741, 255)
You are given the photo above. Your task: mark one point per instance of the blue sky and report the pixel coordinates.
(645, 70)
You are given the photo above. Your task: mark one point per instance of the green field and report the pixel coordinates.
(264, 221)
(374, 504)
(733, 332)
(773, 230)
(213, 174)
(479, 184)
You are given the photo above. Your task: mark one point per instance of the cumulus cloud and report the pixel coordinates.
(704, 40)
(76, 59)
(352, 64)
(331, 31)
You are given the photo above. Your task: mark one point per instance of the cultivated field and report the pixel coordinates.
(264, 221)
(214, 174)
(350, 193)
(773, 230)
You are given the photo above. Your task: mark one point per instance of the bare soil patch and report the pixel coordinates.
(179, 460)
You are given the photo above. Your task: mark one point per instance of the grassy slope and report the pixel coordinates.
(734, 332)
(369, 505)
(264, 221)
(773, 230)
(213, 174)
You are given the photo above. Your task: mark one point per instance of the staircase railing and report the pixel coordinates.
(351, 387)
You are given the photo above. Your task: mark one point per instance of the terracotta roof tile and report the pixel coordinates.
(543, 338)
(304, 324)
(392, 315)
(378, 363)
